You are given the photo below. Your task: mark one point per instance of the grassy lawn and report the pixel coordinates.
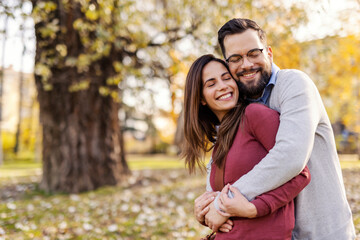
(156, 202)
(152, 204)
(20, 169)
(24, 168)
(138, 162)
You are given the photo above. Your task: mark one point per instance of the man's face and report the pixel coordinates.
(252, 71)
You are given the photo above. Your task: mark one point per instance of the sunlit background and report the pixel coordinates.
(156, 42)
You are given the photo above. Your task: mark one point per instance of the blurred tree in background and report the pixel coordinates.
(334, 63)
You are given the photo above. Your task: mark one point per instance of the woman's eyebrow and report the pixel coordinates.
(225, 73)
(210, 79)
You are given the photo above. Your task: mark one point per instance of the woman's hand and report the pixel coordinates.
(238, 206)
(213, 219)
(201, 205)
(227, 226)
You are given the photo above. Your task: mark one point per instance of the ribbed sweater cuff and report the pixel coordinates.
(261, 206)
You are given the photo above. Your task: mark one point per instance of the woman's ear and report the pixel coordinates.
(203, 102)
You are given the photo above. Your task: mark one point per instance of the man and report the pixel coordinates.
(304, 137)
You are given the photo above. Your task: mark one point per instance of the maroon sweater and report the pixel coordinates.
(254, 139)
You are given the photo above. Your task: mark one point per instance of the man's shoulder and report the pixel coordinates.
(292, 78)
(291, 84)
(289, 74)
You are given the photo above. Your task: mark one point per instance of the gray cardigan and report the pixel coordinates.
(305, 137)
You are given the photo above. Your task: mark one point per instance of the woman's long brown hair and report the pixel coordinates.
(200, 122)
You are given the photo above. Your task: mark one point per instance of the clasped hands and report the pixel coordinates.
(206, 213)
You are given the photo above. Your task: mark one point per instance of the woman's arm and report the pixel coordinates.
(264, 204)
(270, 201)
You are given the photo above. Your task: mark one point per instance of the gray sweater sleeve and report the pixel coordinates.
(208, 171)
(298, 101)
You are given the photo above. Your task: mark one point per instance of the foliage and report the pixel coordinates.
(333, 63)
(8, 142)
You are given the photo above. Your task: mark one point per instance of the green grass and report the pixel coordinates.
(138, 162)
(20, 168)
(350, 164)
(23, 168)
(158, 204)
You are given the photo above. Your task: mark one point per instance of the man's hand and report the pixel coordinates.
(238, 206)
(213, 219)
(201, 205)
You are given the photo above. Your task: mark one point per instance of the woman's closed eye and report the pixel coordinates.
(226, 77)
(210, 83)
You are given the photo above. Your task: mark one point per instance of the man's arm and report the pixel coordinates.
(264, 204)
(269, 202)
(299, 105)
(208, 171)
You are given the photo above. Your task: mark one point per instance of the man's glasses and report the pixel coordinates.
(251, 55)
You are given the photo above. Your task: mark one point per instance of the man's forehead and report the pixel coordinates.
(241, 43)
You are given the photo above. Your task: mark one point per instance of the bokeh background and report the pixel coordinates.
(91, 95)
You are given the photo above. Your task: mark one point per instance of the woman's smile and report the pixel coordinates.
(226, 96)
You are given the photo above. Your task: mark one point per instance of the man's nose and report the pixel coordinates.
(246, 63)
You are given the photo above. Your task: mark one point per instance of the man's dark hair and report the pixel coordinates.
(239, 25)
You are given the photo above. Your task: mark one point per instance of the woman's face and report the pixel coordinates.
(220, 92)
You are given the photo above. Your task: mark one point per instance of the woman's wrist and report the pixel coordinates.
(251, 210)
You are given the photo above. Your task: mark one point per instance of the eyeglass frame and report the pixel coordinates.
(247, 55)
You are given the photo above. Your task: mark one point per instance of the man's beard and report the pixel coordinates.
(256, 89)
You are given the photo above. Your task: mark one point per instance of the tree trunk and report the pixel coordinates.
(81, 133)
(81, 148)
(2, 83)
(21, 91)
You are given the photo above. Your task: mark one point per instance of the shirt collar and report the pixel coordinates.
(274, 71)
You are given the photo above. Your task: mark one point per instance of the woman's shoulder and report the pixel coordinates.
(256, 108)
(258, 111)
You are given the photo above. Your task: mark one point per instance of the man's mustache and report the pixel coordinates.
(248, 71)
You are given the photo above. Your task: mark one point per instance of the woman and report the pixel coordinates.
(217, 118)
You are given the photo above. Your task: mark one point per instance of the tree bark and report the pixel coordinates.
(81, 148)
(81, 133)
